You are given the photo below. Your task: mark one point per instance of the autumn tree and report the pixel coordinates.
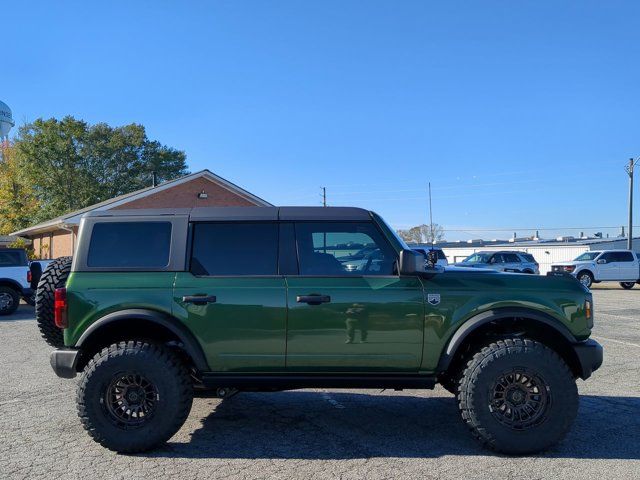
(422, 234)
(71, 164)
(18, 202)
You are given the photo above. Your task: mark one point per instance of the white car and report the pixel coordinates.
(603, 266)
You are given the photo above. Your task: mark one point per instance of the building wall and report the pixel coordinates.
(186, 196)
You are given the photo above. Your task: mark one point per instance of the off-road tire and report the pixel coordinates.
(533, 358)
(588, 275)
(54, 276)
(162, 368)
(627, 285)
(14, 301)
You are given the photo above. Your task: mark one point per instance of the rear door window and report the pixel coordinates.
(235, 249)
(624, 257)
(511, 258)
(130, 245)
(11, 259)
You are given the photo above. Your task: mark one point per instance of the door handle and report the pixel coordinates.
(199, 299)
(313, 299)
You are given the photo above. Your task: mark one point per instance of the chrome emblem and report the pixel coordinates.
(433, 298)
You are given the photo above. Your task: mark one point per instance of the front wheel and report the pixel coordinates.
(586, 279)
(133, 396)
(627, 285)
(518, 396)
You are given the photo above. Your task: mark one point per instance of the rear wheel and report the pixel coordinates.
(54, 276)
(585, 278)
(627, 285)
(134, 396)
(518, 396)
(9, 300)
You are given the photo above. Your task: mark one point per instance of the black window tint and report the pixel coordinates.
(130, 245)
(441, 255)
(497, 258)
(624, 257)
(11, 259)
(345, 248)
(511, 258)
(235, 249)
(528, 257)
(609, 257)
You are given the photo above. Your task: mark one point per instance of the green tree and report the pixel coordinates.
(72, 164)
(422, 234)
(18, 202)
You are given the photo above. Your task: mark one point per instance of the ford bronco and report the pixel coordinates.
(160, 305)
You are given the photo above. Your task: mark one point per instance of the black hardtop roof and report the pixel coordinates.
(242, 213)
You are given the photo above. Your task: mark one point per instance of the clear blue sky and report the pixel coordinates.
(521, 114)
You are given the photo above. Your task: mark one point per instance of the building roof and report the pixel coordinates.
(73, 218)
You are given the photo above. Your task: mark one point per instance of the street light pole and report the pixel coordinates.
(629, 170)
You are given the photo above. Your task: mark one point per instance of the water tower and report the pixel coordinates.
(6, 121)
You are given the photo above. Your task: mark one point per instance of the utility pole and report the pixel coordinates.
(433, 239)
(629, 169)
(324, 196)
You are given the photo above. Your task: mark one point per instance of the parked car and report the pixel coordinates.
(216, 300)
(603, 266)
(18, 277)
(442, 258)
(503, 261)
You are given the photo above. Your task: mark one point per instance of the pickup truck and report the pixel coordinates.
(18, 278)
(603, 266)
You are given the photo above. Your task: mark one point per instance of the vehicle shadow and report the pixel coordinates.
(24, 312)
(334, 426)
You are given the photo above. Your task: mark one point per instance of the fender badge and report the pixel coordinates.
(433, 298)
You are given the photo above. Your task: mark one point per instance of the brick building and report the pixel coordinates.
(56, 237)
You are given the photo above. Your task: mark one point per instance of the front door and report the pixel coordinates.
(233, 298)
(610, 270)
(348, 310)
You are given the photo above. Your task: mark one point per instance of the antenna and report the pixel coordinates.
(433, 238)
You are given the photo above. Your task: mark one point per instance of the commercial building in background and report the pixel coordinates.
(546, 252)
(56, 237)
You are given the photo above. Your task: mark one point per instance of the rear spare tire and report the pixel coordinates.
(54, 276)
(518, 396)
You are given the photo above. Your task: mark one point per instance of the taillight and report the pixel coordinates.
(569, 268)
(60, 308)
(29, 276)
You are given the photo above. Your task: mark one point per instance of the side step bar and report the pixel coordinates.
(293, 381)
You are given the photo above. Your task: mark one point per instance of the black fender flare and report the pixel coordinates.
(498, 314)
(10, 282)
(190, 344)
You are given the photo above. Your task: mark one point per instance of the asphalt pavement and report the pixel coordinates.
(321, 433)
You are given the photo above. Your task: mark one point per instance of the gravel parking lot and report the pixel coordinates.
(320, 433)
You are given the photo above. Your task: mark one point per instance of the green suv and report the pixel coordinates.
(160, 305)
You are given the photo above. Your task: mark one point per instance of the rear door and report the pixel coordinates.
(627, 265)
(512, 262)
(233, 298)
(348, 310)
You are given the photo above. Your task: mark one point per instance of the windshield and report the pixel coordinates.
(477, 258)
(586, 256)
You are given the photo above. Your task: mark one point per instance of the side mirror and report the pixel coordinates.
(432, 258)
(601, 261)
(411, 262)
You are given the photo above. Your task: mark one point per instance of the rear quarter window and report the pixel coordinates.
(130, 245)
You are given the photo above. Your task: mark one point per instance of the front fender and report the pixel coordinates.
(494, 315)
